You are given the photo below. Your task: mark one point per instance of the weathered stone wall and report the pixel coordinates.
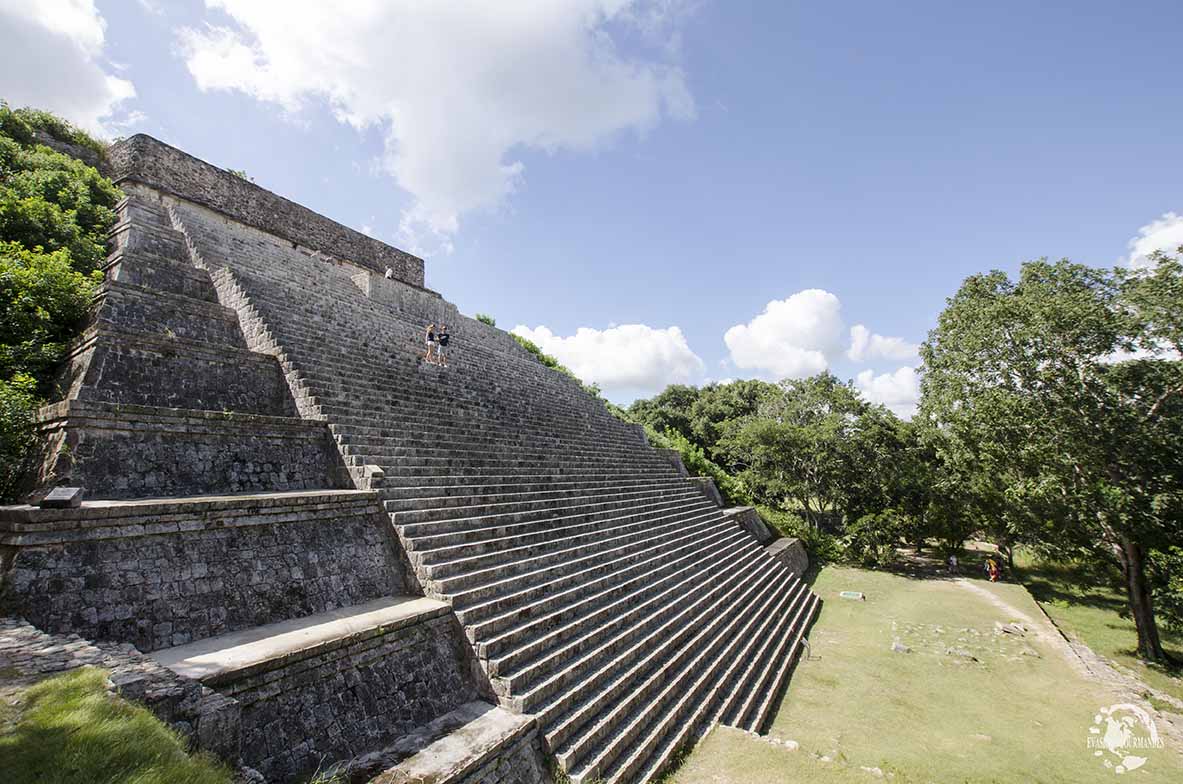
(127, 451)
(166, 574)
(749, 519)
(362, 695)
(521, 763)
(149, 271)
(791, 552)
(143, 159)
(155, 313)
(158, 370)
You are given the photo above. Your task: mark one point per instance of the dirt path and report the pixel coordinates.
(1082, 659)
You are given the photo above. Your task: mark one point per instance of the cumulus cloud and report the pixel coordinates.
(1165, 234)
(866, 345)
(791, 338)
(899, 391)
(51, 57)
(629, 356)
(457, 87)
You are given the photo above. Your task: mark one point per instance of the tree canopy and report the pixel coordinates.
(1061, 394)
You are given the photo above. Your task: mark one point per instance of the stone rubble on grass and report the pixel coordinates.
(876, 771)
(899, 647)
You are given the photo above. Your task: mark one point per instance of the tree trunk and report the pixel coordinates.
(1133, 567)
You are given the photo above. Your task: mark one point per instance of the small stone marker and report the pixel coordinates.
(853, 595)
(63, 498)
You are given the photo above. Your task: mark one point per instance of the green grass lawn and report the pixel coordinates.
(1092, 612)
(1019, 713)
(68, 730)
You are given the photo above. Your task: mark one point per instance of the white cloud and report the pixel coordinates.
(792, 338)
(51, 57)
(457, 86)
(899, 391)
(629, 356)
(865, 345)
(1165, 234)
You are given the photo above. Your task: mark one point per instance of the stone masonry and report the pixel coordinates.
(354, 553)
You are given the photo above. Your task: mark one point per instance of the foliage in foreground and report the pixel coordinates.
(72, 731)
(55, 212)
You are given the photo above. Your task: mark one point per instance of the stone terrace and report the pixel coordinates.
(570, 572)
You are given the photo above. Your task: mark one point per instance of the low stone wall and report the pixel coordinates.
(142, 159)
(126, 451)
(749, 519)
(153, 312)
(164, 574)
(326, 706)
(791, 552)
(155, 370)
(522, 762)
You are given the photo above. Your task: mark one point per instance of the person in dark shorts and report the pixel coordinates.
(441, 348)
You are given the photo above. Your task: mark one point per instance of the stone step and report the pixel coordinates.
(512, 639)
(624, 619)
(528, 503)
(433, 497)
(456, 748)
(628, 736)
(556, 562)
(577, 713)
(484, 601)
(497, 627)
(753, 712)
(528, 552)
(517, 525)
(222, 659)
(447, 547)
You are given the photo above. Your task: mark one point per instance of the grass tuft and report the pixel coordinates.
(70, 730)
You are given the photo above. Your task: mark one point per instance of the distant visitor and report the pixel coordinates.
(431, 343)
(441, 346)
(390, 273)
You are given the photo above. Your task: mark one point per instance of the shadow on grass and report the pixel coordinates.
(1070, 586)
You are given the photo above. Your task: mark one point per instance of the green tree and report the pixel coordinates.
(1036, 383)
(55, 212)
(816, 446)
(670, 410)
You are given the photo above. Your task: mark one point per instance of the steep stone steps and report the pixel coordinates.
(599, 589)
(504, 576)
(504, 596)
(515, 638)
(584, 703)
(626, 618)
(629, 732)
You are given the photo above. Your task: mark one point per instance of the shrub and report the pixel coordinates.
(871, 540)
(698, 464)
(22, 123)
(44, 303)
(485, 318)
(51, 200)
(18, 403)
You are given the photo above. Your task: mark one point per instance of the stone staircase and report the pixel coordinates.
(600, 590)
(360, 550)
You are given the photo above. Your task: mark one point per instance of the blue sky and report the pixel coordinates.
(779, 173)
